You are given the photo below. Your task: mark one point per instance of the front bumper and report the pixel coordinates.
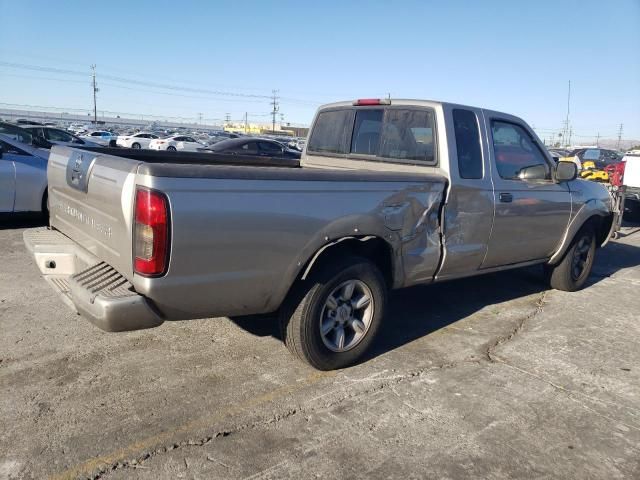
(92, 288)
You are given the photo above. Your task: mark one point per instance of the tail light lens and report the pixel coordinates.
(151, 232)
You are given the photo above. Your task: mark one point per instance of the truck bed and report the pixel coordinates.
(194, 158)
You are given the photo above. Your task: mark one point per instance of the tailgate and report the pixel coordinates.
(91, 201)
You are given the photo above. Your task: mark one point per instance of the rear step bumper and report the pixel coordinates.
(91, 287)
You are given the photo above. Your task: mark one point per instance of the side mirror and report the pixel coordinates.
(534, 172)
(566, 171)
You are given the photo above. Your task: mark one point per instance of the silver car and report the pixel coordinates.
(23, 177)
(57, 136)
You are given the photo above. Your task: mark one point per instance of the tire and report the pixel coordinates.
(349, 329)
(136, 146)
(573, 270)
(45, 204)
(171, 149)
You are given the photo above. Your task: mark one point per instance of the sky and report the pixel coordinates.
(189, 59)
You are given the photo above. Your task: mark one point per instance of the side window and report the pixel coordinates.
(407, 134)
(366, 132)
(330, 132)
(515, 150)
(270, 148)
(178, 139)
(58, 136)
(465, 126)
(8, 148)
(249, 148)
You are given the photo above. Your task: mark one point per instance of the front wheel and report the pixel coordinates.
(171, 149)
(574, 268)
(331, 319)
(136, 146)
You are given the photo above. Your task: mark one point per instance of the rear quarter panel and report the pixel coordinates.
(238, 245)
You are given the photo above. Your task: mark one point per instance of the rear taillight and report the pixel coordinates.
(372, 101)
(151, 232)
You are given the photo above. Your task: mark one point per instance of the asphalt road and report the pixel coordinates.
(490, 377)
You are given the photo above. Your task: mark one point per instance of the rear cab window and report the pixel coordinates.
(394, 134)
(465, 125)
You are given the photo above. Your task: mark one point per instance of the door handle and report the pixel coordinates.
(506, 198)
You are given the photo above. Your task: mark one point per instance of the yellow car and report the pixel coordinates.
(590, 172)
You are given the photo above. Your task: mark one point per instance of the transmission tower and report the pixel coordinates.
(619, 136)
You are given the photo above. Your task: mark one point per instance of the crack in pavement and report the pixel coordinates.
(490, 352)
(347, 394)
(201, 442)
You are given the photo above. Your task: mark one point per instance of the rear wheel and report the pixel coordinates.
(171, 149)
(331, 319)
(136, 146)
(574, 269)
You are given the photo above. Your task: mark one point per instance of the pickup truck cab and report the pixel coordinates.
(388, 194)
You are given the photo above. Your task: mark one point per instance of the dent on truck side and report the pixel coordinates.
(407, 221)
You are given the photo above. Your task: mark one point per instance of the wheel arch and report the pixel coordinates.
(371, 247)
(600, 219)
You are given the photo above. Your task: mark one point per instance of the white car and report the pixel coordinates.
(101, 137)
(138, 140)
(179, 142)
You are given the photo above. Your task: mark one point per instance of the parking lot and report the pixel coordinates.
(490, 377)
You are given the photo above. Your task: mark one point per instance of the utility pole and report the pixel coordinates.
(570, 134)
(227, 119)
(566, 122)
(619, 136)
(598, 140)
(95, 91)
(275, 109)
(246, 120)
(200, 118)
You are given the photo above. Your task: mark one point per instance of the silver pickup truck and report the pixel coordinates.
(388, 194)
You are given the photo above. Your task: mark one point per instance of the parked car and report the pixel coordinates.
(56, 136)
(601, 157)
(176, 143)
(558, 153)
(253, 146)
(23, 176)
(17, 133)
(101, 137)
(137, 140)
(389, 194)
(23, 121)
